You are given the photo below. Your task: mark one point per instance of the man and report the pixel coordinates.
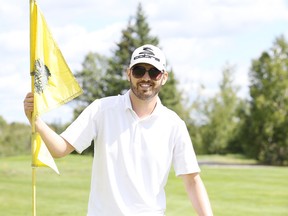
(136, 140)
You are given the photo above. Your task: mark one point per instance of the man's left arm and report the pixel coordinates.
(197, 194)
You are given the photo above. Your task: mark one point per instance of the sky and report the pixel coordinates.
(198, 37)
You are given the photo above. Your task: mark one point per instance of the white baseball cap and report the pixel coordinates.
(149, 54)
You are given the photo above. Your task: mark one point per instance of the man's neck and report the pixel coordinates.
(142, 108)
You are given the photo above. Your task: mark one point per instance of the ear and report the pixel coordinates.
(165, 78)
(128, 74)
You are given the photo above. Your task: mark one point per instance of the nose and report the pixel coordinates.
(146, 76)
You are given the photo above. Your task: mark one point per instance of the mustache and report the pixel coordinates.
(145, 82)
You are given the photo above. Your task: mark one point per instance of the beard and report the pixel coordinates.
(145, 93)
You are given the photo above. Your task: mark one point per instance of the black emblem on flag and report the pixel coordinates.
(42, 74)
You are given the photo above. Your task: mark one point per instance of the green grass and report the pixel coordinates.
(227, 159)
(66, 194)
(233, 190)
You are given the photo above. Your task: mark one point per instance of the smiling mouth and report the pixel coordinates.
(145, 85)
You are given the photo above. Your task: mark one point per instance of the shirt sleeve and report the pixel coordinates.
(184, 157)
(82, 131)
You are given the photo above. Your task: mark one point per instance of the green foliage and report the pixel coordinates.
(3, 130)
(14, 138)
(218, 117)
(91, 79)
(172, 97)
(267, 124)
(238, 140)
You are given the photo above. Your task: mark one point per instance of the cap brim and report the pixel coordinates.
(147, 61)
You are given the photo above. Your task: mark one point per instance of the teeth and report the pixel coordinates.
(145, 85)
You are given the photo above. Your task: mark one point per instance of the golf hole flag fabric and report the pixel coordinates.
(53, 83)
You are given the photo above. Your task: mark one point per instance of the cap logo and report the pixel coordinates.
(147, 53)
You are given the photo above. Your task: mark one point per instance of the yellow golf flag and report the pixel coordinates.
(53, 83)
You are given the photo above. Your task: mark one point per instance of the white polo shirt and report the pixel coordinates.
(132, 157)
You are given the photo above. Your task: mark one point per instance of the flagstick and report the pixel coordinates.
(33, 168)
(34, 191)
(33, 122)
(33, 165)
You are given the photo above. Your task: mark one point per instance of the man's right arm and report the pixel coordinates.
(57, 145)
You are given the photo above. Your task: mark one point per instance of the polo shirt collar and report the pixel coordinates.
(128, 104)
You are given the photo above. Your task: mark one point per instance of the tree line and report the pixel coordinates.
(224, 123)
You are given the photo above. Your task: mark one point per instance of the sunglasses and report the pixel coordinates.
(139, 71)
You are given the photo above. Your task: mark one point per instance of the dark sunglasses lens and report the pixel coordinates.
(155, 74)
(138, 72)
